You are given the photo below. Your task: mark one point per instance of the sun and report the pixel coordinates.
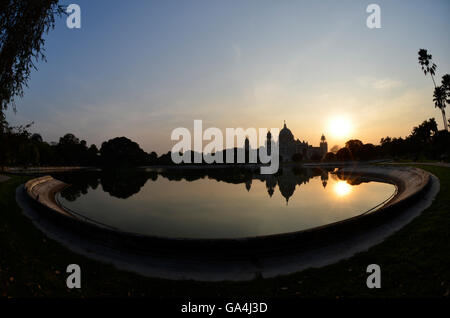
(342, 188)
(340, 127)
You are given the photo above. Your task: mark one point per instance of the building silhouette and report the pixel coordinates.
(289, 146)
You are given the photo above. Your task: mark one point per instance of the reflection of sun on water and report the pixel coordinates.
(342, 188)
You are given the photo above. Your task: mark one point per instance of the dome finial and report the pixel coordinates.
(284, 123)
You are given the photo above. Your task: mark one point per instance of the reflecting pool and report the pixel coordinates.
(218, 203)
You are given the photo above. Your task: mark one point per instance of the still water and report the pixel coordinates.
(218, 203)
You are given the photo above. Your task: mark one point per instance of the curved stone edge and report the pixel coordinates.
(410, 182)
(166, 265)
(43, 191)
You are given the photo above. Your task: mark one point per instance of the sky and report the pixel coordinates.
(143, 68)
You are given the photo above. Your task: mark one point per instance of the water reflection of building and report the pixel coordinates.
(324, 178)
(271, 183)
(123, 184)
(248, 184)
(288, 179)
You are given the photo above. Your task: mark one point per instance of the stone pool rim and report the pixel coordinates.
(410, 184)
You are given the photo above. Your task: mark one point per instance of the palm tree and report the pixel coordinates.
(440, 92)
(446, 86)
(439, 99)
(427, 64)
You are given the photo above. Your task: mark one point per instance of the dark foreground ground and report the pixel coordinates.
(415, 262)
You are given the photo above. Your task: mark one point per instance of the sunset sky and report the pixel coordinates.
(142, 68)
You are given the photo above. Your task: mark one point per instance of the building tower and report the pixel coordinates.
(269, 143)
(247, 151)
(323, 145)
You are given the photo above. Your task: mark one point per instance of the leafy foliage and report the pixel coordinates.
(23, 24)
(122, 151)
(440, 92)
(439, 96)
(425, 61)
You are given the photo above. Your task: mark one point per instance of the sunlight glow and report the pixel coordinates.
(340, 127)
(342, 188)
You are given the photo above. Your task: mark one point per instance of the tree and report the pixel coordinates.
(354, 146)
(329, 157)
(423, 133)
(385, 141)
(152, 157)
(439, 99)
(23, 24)
(343, 154)
(69, 139)
(121, 151)
(37, 138)
(3, 123)
(368, 152)
(92, 157)
(335, 149)
(446, 87)
(75, 152)
(428, 66)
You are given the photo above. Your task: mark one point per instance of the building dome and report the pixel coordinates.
(285, 134)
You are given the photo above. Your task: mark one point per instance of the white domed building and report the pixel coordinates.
(289, 146)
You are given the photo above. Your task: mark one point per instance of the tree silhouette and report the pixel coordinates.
(23, 24)
(439, 99)
(329, 157)
(355, 147)
(428, 66)
(344, 154)
(446, 87)
(121, 151)
(425, 131)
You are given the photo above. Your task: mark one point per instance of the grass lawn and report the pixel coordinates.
(415, 262)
